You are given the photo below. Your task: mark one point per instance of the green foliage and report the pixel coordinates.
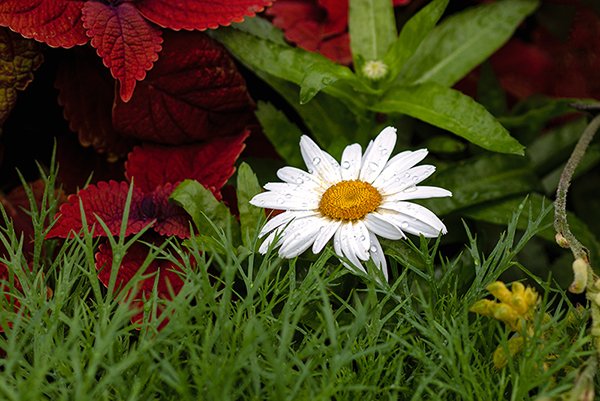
(372, 28)
(253, 328)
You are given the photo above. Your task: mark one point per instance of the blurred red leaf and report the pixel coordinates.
(79, 74)
(125, 41)
(194, 92)
(198, 14)
(317, 25)
(19, 58)
(54, 22)
(210, 163)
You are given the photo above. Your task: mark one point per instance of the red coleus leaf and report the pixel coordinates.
(198, 14)
(79, 74)
(107, 200)
(127, 43)
(165, 273)
(54, 22)
(194, 92)
(210, 163)
(19, 58)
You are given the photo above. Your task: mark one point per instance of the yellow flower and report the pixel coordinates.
(514, 308)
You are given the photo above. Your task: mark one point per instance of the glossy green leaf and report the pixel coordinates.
(312, 71)
(412, 34)
(203, 207)
(481, 179)
(453, 111)
(282, 133)
(464, 40)
(250, 216)
(554, 147)
(497, 212)
(372, 28)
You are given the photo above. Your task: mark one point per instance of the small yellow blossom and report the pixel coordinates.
(514, 308)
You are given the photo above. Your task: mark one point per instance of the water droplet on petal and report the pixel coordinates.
(280, 201)
(288, 196)
(383, 150)
(404, 225)
(346, 164)
(412, 188)
(299, 180)
(362, 238)
(373, 166)
(373, 249)
(316, 161)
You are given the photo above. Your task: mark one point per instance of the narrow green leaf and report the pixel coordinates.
(482, 179)
(203, 207)
(464, 40)
(412, 34)
(282, 133)
(497, 212)
(372, 28)
(453, 111)
(250, 216)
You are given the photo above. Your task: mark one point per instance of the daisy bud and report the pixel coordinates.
(375, 70)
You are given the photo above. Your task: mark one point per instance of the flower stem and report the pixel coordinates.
(561, 224)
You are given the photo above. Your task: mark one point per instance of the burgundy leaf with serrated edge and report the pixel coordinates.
(107, 201)
(171, 219)
(127, 43)
(198, 14)
(211, 163)
(54, 22)
(194, 92)
(80, 73)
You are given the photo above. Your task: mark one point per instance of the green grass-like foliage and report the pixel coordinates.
(252, 327)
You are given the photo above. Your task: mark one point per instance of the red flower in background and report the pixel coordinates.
(125, 33)
(317, 25)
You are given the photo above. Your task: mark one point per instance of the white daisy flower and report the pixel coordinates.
(353, 201)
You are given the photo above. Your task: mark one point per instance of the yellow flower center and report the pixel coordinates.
(349, 200)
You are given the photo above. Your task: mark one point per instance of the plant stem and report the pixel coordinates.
(561, 224)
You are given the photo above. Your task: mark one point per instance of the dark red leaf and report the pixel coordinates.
(127, 43)
(171, 219)
(198, 14)
(19, 58)
(79, 74)
(320, 27)
(194, 92)
(54, 22)
(210, 163)
(107, 201)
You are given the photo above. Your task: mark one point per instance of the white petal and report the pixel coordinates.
(274, 200)
(407, 159)
(378, 257)
(325, 235)
(264, 247)
(335, 167)
(351, 162)
(294, 191)
(300, 237)
(296, 176)
(413, 218)
(423, 192)
(284, 218)
(347, 248)
(403, 180)
(359, 241)
(377, 154)
(377, 224)
(316, 161)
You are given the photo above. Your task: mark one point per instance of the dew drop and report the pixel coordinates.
(280, 201)
(362, 238)
(346, 164)
(412, 188)
(407, 175)
(373, 249)
(288, 196)
(404, 225)
(299, 180)
(316, 161)
(373, 166)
